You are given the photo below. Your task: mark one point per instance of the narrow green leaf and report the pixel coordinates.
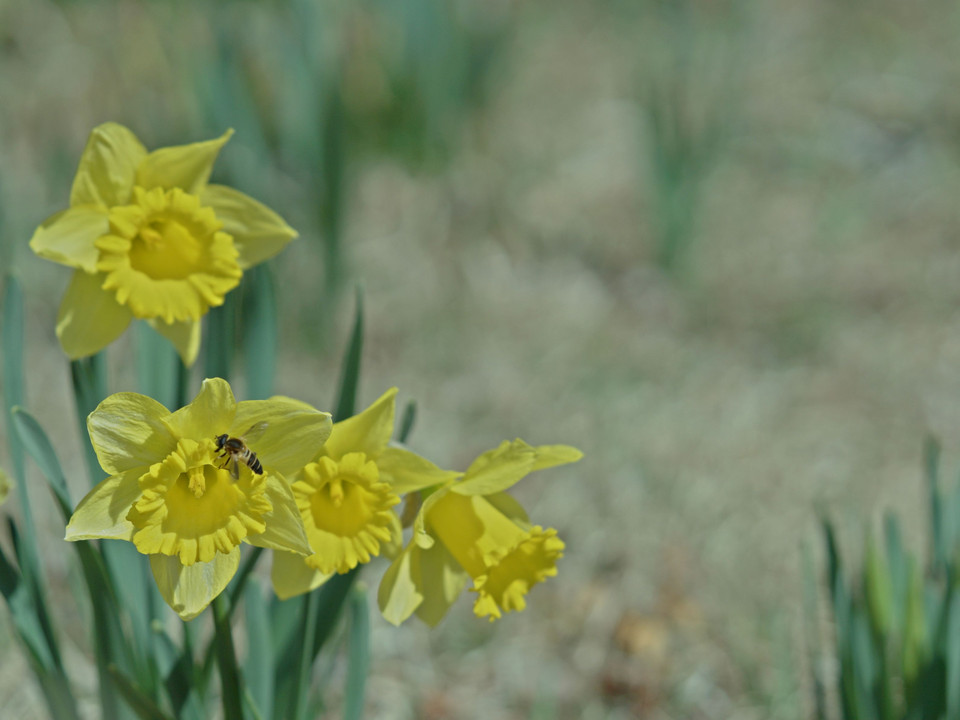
(811, 617)
(305, 664)
(878, 591)
(350, 372)
(89, 377)
(931, 466)
(40, 448)
(13, 381)
(230, 682)
(221, 338)
(157, 366)
(141, 703)
(258, 669)
(409, 418)
(331, 597)
(899, 572)
(953, 657)
(358, 655)
(24, 617)
(260, 331)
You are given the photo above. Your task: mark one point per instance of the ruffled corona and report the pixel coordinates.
(193, 509)
(504, 558)
(346, 511)
(167, 257)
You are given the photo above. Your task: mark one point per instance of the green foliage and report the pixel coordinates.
(897, 619)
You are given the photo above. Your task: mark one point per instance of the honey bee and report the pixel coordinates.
(234, 450)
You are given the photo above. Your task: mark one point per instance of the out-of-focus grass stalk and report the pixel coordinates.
(686, 95)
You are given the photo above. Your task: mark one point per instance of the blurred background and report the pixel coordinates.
(711, 243)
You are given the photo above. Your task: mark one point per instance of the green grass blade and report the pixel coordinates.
(899, 572)
(953, 657)
(258, 669)
(38, 445)
(350, 372)
(230, 682)
(221, 339)
(811, 617)
(931, 466)
(408, 420)
(24, 617)
(157, 366)
(141, 703)
(358, 655)
(260, 331)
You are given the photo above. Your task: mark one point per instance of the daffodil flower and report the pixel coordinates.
(346, 497)
(150, 238)
(171, 493)
(470, 528)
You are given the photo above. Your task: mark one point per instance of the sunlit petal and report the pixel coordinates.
(189, 589)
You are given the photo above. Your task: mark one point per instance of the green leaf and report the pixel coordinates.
(358, 655)
(811, 617)
(24, 616)
(221, 338)
(137, 699)
(230, 682)
(409, 417)
(350, 373)
(258, 669)
(158, 366)
(878, 590)
(899, 573)
(260, 331)
(953, 657)
(40, 448)
(931, 466)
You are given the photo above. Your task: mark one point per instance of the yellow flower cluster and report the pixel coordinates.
(150, 238)
(323, 496)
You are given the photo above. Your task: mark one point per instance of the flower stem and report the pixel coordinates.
(230, 686)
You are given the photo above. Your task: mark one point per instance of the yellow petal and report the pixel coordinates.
(90, 318)
(293, 435)
(369, 432)
(258, 232)
(420, 534)
(406, 471)
(188, 589)
(399, 594)
(184, 166)
(127, 431)
(510, 507)
(103, 512)
(442, 580)
(67, 237)
(210, 414)
(552, 455)
(107, 168)
(292, 576)
(496, 470)
(284, 525)
(184, 336)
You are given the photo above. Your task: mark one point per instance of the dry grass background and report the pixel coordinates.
(795, 361)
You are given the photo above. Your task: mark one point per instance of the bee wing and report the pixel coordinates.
(234, 467)
(255, 432)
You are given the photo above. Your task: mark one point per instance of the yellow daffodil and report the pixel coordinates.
(470, 528)
(346, 497)
(150, 238)
(174, 497)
